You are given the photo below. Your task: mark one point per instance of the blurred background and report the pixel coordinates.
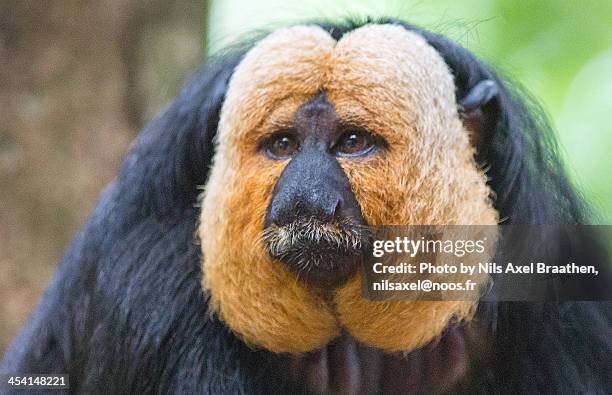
(79, 79)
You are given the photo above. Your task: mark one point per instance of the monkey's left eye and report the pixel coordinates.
(281, 146)
(353, 143)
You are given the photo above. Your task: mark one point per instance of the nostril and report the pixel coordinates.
(337, 209)
(284, 210)
(325, 209)
(275, 215)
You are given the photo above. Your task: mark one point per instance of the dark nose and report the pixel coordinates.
(313, 185)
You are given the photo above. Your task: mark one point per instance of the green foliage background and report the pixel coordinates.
(560, 50)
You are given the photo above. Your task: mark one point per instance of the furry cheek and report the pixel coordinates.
(396, 326)
(258, 298)
(406, 190)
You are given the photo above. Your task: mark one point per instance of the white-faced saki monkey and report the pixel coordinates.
(223, 257)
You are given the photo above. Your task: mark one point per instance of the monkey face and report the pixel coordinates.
(314, 223)
(318, 139)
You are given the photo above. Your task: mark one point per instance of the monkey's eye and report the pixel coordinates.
(281, 146)
(353, 143)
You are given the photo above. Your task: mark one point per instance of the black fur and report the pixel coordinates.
(125, 312)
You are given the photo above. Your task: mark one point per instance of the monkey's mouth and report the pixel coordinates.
(320, 253)
(346, 367)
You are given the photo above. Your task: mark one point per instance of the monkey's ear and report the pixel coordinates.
(479, 110)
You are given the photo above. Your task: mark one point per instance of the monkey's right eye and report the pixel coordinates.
(281, 146)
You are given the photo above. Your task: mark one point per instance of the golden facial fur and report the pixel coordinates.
(391, 82)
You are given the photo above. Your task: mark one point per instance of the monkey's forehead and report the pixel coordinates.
(382, 71)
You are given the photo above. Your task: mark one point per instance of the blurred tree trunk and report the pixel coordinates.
(78, 80)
